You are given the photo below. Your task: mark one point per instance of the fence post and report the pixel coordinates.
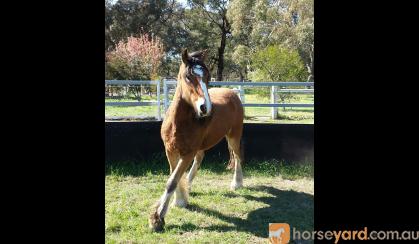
(274, 110)
(241, 92)
(158, 101)
(165, 95)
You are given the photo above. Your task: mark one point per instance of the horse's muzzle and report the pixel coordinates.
(202, 108)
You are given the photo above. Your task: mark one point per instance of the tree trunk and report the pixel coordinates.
(221, 49)
(311, 66)
(310, 73)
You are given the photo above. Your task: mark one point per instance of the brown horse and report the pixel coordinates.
(197, 120)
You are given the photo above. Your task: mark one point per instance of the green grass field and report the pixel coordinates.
(252, 114)
(274, 192)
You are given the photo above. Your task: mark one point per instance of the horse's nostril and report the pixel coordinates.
(203, 108)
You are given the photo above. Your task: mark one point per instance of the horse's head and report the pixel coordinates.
(194, 77)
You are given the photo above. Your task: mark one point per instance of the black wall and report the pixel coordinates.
(141, 140)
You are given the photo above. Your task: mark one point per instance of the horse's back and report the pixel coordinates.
(226, 103)
(227, 116)
(224, 96)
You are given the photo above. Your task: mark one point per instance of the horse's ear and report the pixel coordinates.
(185, 56)
(204, 55)
(201, 55)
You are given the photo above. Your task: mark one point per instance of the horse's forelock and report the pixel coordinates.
(197, 55)
(196, 58)
(192, 64)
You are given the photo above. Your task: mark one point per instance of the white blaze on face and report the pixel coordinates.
(198, 103)
(206, 96)
(206, 99)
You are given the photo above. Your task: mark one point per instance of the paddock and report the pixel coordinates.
(273, 192)
(278, 186)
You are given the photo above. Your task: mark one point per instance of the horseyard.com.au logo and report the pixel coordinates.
(279, 233)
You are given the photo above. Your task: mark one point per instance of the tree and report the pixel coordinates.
(277, 63)
(108, 23)
(241, 15)
(233, 31)
(286, 22)
(162, 18)
(138, 58)
(202, 34)
(215, 12)
(128, 18)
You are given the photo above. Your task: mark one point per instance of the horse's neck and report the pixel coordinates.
(181, 109)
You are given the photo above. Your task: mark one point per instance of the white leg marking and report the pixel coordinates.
(238, 175)
(163, 204)
(181, 194)
(165, 198)
(192, 172)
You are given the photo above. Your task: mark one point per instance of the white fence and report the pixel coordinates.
(276, 87)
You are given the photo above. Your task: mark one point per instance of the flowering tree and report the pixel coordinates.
(138, 58)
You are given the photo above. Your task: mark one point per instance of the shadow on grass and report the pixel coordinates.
(158, 165)
(294, 208)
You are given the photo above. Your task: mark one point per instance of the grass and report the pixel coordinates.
(273, 192)
(252, 114)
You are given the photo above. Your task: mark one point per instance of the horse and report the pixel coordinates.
(276, 236)
(198, 119)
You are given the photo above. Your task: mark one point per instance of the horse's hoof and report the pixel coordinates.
(236, 185)
(156, 224)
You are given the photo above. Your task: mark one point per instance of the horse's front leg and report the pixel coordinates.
(181, 193)
(156, 220)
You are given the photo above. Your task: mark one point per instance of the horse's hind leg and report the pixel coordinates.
(181, 193)
(156, 220)
(195, 166)
(234, 144)
(231, 162)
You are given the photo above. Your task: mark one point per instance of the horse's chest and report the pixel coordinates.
(183, 139)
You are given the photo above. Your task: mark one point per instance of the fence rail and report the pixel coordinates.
(276, 87)
(131, 104)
